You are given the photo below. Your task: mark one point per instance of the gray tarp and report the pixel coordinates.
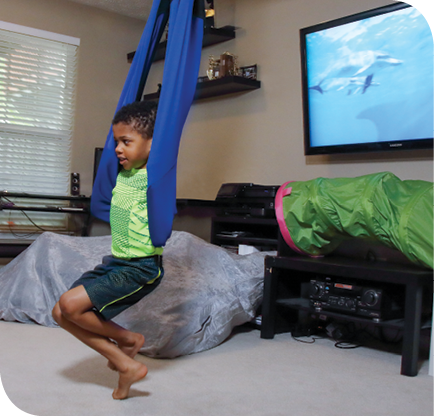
(205, 292)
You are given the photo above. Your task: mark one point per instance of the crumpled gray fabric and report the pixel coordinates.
(31, 284)
(205, 292)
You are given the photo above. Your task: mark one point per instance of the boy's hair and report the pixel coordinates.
(140, 115)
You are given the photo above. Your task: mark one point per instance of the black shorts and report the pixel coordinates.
(117, 284)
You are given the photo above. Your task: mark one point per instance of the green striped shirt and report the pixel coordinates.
(129, 216)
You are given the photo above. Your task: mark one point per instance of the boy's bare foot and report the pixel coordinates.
(131, 348)
(136, 372)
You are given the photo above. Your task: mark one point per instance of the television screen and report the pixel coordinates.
(368, 82)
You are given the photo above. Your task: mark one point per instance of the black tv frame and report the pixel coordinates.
(367, 147)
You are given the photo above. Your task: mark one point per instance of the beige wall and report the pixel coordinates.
(106, 38)
(254, 137)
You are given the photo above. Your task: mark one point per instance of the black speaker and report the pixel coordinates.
(75, 184)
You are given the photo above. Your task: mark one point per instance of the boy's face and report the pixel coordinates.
(132, 149)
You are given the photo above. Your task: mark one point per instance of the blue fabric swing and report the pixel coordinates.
(180, 74)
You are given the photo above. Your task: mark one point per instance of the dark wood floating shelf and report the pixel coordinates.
(211, 36)
(217, 87)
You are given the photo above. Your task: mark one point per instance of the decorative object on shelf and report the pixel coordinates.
(228, 64)
(213, 71)
(209, 13)
(249, 72)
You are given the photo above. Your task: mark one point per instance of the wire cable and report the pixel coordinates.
(14, 233)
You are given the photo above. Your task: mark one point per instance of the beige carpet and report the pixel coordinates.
(46, 372)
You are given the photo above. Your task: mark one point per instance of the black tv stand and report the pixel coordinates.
(73, 205)
(285, 277)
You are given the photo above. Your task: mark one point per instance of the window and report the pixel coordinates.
(37, 100)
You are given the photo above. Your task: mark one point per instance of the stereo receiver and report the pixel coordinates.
(330, 294)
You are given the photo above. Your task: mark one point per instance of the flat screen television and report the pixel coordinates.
(367, 82)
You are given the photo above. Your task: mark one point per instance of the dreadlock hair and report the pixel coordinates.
(140, 115)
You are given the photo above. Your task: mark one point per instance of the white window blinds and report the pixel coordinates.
(37, 100)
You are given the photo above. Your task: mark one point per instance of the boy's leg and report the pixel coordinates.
(76, 318)
(76, 306)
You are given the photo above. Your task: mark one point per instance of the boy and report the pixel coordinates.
(133, 270)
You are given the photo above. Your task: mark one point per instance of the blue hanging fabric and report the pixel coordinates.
(181, 69)
(180, 74)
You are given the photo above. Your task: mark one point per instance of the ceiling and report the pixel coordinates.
(133, 8)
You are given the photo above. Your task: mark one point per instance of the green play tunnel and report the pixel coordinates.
(316, 216)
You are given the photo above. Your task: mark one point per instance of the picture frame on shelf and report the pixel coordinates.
(249, 72)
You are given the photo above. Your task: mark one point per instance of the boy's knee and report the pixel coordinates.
(56, 313)
(66, 306)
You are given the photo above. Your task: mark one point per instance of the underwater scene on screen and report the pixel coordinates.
(371, 80)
